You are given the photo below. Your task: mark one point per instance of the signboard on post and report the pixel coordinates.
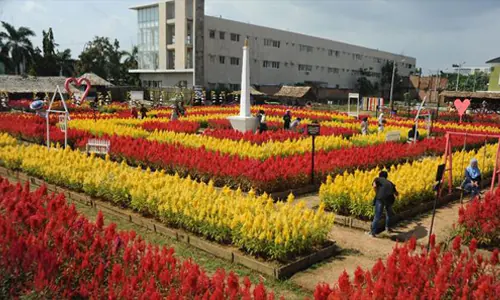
(313, 129)
(393, 136)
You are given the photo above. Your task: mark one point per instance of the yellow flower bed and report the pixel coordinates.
(6, 140)
(127, 127)
(253, 223)
(352, 193)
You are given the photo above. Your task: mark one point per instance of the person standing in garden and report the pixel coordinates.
(134, 113)
(287, 119)
(144, 111)
(385, 196)
(381, 122)
(364, 126)
(413, 134)
(472, 178)
(295, 124)
(262, 121)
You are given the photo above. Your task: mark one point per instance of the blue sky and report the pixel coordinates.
(438, 33)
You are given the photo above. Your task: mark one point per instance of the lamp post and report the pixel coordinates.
(392, 83)
(458, 66)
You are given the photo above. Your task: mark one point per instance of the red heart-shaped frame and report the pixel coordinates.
(462, 106)
(78, 82)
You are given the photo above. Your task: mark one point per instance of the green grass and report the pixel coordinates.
(207, 261)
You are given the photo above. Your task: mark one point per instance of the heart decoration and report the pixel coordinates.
(461, 107)
(78, 82)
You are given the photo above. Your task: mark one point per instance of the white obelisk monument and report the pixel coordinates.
(245, 121)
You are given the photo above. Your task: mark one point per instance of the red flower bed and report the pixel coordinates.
(219, 124)
(480, 219)
(177, 126)
(49, 251)
(254, 138)
(33, 128)
(411, 274)
(272, 174)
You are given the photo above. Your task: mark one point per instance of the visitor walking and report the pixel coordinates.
(287, 119)
(364, 126)
(385, 196)
(182, 109)
(262, 121)
(144, 111)
(472, 179)
(381, 122)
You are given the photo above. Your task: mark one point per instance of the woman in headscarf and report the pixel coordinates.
(472, 178)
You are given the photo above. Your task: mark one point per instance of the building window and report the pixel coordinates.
(307, 68)
(333, 70)
(211, 58)
(235, 61)
(272, 43)
(211, 33)
(330, 52)
(271, 64)
(222, 60)
(235, 37)
(222, 35)
(305, 48)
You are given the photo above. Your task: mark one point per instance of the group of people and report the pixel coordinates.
(178, 110)
(135, 113)
(386, 193)
(287, 121)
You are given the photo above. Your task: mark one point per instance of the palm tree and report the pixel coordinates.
(131, 58)
(64, 62)
(18, 45)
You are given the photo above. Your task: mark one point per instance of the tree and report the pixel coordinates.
(131, 62)
(365, 87)
(107, 60)
(65, 63)
(18, 46)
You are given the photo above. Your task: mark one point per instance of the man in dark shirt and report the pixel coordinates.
(385, 195)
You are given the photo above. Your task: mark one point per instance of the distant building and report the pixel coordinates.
(179, 44)
(473, 70)
(494, 84)
(427, 86)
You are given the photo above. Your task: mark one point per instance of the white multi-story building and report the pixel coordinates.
(178, 43)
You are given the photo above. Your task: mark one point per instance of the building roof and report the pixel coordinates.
(494, 61)
(29, 84)
(140, 6)
(95, 80)
(293, 91)
(480, 95)
(253, 91)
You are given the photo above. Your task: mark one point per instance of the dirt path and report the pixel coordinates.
(358, 249)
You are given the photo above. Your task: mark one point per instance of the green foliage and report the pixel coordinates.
(17, 49)
(474, 82)
(105, 59)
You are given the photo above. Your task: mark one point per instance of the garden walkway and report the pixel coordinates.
(358, 249)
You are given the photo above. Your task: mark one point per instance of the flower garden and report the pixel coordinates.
(198, 175)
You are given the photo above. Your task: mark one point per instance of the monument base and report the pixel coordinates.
(243, 124)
